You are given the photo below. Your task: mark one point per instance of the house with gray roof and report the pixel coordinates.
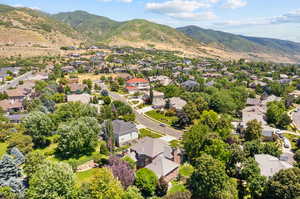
(157, 155)
(124, 132)
(163, 167)
(270, 165)
(190, 85)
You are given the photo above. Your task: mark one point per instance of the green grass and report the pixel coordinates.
(161, 117)
(149, 133)
(85, 176)
(293, 139)
(3, 148)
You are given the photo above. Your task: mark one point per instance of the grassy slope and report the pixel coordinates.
(240, 43)
(94, 27)
(34, 27)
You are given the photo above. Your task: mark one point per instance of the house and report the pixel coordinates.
(253, 112)
(270, 165)
(76, 88)
(190, 85)
(68, 69)
(253, 102)
(157, 155)
(268, 133)
(164, 168)
(124, 132)
(83, 98)
(39, 77)
(177, 103)
(16, 118)
(11, 106)
(161, 79)
(137, 84)
(18, 93)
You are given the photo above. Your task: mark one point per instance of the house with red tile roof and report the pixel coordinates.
(137, 84)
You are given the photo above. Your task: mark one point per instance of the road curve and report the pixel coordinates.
(145, 121)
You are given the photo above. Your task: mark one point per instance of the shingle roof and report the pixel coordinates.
(270, 165)
(122, 128)
(162, 166)
(150, 147)
(83, 98)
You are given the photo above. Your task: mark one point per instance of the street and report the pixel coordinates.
(15, 81)
(148, 123)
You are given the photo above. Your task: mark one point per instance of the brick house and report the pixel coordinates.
(157, 155)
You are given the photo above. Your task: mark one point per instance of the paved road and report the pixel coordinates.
(15, 81)
(296, 119)
(145, 121)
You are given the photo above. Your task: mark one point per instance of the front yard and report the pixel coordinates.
(149, 133)
(161, 117)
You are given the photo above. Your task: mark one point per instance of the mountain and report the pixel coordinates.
(241, 43)
(28, 28)
(96, 28)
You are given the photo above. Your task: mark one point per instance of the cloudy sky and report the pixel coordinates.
(264, 18)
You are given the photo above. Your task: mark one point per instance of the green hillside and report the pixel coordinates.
(96, 28)
(240, 43)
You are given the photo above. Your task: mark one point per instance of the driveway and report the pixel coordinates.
(143, 120)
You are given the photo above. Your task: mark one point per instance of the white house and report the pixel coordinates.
(124, 132)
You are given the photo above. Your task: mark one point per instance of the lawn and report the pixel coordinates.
(293, 139)
(3, 148)
(85, 176)
(149, 133)
(161, 117)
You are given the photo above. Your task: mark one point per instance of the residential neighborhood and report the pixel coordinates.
(146, 118)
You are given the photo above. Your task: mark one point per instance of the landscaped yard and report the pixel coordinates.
(293, 139)
(149, 133)
(85, 176)
(3, 148)
(161, 117)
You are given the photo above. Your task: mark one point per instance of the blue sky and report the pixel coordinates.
(264, 18)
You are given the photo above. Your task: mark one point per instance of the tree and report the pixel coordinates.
(217, 149)
(21, 141)
(73, 110)
(210, 180)
(162, 187)
(284, 185)
(104, 185)
(108, 133)
(7, 193)
(33, 162)
(254, 183)
(78, 137)
(122, 171)
(183, 120)
(253, 130)
(210, 119)
(39, 126)
(10, 174)
(51, 181)
(193, 140)
(132, 192)
(146, 181)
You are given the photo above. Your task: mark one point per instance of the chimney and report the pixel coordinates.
(177, 156)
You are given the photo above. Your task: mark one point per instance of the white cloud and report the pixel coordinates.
(233, 4)
(183, 9)
(291, 17)
(173, 6)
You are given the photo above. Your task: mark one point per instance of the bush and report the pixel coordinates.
(146, 181)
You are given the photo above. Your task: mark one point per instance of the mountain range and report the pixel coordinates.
(22, 28)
